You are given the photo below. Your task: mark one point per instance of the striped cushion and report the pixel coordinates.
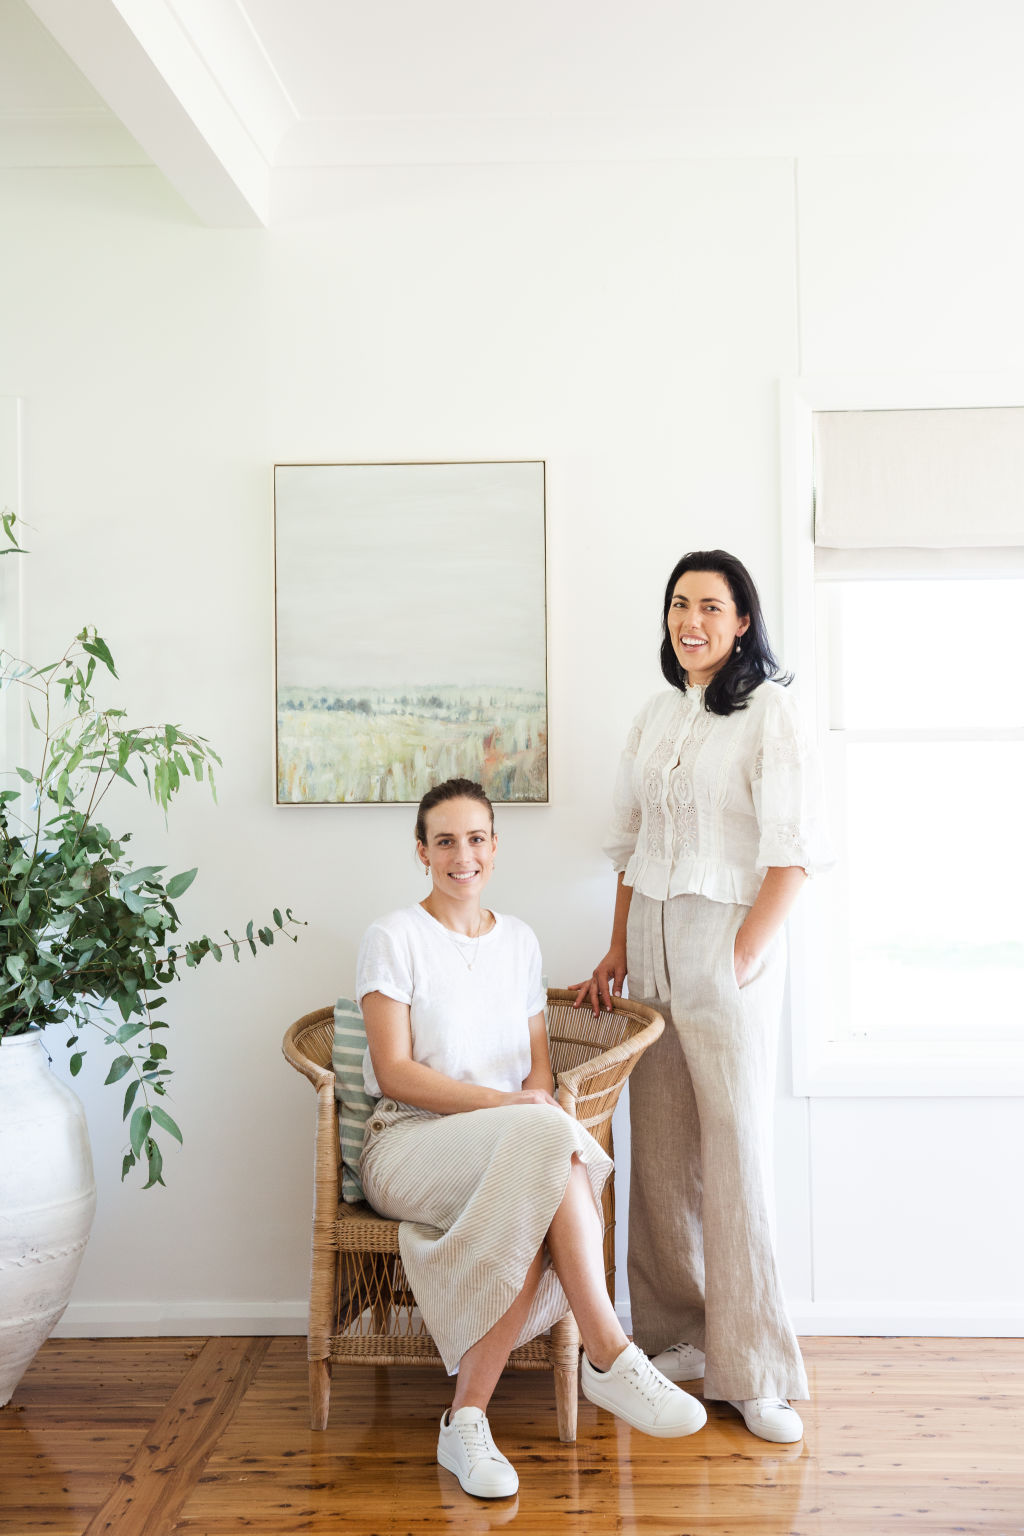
(354, 1103)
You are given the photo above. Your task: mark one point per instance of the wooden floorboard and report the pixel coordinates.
(212, 1438)
(167, 1465)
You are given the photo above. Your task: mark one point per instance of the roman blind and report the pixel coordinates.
(891, 485)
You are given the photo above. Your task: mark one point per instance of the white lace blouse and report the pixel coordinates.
(706, 803)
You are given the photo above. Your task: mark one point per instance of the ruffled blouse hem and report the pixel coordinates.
(660, 880)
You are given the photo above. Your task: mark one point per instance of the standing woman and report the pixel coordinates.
(495, 1186)
(716, 824)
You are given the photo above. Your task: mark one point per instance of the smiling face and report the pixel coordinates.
(703, 624)
(459, 850)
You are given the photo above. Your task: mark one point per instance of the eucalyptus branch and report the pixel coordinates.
(82, 926)
(93, 802)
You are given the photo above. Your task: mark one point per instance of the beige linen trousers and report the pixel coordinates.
(702, 1264)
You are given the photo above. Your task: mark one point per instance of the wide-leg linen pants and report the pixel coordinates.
(475, 1194)
(702, 1264)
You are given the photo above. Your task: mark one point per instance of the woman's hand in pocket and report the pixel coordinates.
(744, 961)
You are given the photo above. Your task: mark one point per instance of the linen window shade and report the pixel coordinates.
(926, 491)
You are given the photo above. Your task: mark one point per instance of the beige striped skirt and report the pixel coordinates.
(475, 1194)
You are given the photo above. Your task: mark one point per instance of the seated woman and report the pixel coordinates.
(496, 1187)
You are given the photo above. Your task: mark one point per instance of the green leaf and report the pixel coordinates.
(170, 736)
(134, 878)
(139, 1130)
(129, 1097)
(161, 1117)
(98, 648)
(29, 778)
(129, 1031)
(179, 884)
(9, 519)
(127, 1165)
(75, 1063)
(118, 1067)
(156, 1163)
(277, 918)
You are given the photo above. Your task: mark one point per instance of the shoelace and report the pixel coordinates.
(761, 1403)
(650, 1383)
(476, 1439)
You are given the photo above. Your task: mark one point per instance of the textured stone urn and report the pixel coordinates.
(47, 1200)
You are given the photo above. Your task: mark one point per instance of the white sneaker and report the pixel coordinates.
(680, 1362)
(465, 1447)
(633, 1390)
(770, 1418)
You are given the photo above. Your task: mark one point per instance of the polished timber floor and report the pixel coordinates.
(145, 1437)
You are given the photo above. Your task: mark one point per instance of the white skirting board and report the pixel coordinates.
(198, 1319)
(114, 1320)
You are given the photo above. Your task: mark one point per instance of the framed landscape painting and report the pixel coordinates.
(411, 636)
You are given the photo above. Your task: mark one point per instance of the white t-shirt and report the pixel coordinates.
(706, 803)
(470, 1000)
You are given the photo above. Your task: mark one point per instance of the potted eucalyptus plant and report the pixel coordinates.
(89, 943)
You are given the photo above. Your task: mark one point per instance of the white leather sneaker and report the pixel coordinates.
(633, 1390)
(465, 1447)
(770, 1418)
(680, 1362)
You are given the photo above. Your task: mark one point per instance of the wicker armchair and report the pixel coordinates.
(361, 1308)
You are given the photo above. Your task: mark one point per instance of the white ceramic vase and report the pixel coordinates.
(47, 1200)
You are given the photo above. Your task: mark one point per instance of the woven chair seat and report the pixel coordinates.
(361, 1308)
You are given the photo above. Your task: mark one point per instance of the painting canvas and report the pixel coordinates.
(411, 630)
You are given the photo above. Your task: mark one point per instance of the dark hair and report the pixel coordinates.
(451, 789)
(745, 670)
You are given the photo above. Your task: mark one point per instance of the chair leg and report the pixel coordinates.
(566, 1403)
(319, 1393)
(564, 1348)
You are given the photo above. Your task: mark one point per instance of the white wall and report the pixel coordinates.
(629, 324)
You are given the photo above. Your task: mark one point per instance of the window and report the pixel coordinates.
(906, 541)
(924, 756)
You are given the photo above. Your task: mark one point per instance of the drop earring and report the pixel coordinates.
(737, 648)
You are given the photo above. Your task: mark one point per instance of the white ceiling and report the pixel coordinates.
(240, 102)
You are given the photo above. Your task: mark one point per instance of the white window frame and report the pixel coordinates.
(854, 1068)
